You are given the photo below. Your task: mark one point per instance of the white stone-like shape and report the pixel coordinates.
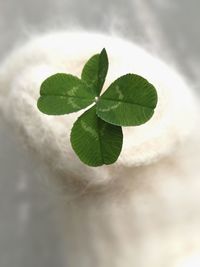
(141, 211)
(24, 71)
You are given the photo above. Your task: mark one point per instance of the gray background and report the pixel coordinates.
(29, 228)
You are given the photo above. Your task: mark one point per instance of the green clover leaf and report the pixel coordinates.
(129, 101)
(95, 71)
(95, 141)
(64, 93)
(96, 136)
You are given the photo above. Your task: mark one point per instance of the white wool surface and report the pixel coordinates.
(144, 209)
(23, 72)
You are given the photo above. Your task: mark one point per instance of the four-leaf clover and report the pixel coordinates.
(97, 136)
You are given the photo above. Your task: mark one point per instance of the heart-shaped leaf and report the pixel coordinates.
(130, 100)
(95, 71)
(95, 141)
(64, 93)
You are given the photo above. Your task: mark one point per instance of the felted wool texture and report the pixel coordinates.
(142, 210)
(25, 69)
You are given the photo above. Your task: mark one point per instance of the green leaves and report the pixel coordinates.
(64, 93)
(97, 136)
(95, 71)
(95, 141)
(130, 100)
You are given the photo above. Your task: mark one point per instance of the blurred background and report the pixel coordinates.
(169, 28)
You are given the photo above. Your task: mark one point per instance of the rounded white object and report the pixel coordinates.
(25, 69)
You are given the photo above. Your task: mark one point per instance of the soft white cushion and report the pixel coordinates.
(26, 68)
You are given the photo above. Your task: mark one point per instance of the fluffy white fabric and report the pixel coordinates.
(27, 67)
(143, 209)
